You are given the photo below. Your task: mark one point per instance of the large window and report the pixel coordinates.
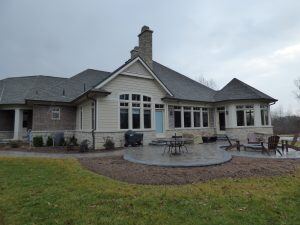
(264, 112)
(177, 116)
(136, 118)
(147, 116)
(250, 115)
(240, 117)
(197, 117)
(124, 115)
(135, 111)
(187, 116)
(245, 115)
(205, 117)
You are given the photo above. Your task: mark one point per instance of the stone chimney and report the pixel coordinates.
(134, 52)
(145, 45)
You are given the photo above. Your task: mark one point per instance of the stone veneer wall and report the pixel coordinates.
(241, 133)
(196, 131)
(42, 118)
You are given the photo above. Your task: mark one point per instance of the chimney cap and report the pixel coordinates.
(135, 49)
(144, 29)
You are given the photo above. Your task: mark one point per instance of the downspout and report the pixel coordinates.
(95, 120)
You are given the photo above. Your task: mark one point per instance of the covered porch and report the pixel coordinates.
(14, 123)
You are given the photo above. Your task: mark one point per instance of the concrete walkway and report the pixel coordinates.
(60, 155)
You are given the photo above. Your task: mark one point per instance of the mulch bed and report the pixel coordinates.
(239, 167)
(57, 149)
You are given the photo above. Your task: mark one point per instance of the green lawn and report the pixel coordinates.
(47, 191)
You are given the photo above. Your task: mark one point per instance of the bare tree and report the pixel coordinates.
(211, 83)
(297, 84)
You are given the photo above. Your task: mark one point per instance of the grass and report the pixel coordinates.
(48, 191)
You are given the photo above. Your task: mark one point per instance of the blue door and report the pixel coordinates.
(159, 121)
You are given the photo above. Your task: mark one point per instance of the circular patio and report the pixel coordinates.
(291, 154)
(198, 155)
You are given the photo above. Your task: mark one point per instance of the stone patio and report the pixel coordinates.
(291, 154)
(198, 155)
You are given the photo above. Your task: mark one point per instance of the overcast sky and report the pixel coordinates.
(257, 42)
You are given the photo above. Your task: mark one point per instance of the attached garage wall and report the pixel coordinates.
(42, 120)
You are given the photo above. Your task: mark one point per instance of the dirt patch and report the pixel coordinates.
(239, 167)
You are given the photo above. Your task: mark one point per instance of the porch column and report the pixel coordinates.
(257, 115)
(18, 123)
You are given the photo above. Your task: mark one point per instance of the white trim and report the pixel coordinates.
(120, 71)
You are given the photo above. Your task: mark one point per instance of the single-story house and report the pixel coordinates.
(141, 95)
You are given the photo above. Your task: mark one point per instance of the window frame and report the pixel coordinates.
(187, 110)
(264, 115)
(143, 103)
(58, 111)
(245, 109)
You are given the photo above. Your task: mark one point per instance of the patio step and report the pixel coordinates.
(157, 142)
(221, 138)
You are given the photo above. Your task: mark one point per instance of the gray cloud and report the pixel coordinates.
(255, 41)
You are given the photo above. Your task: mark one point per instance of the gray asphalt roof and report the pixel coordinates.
(46, 88)
(16, 89)
(238, 90)
(69, 89)
(181, 86)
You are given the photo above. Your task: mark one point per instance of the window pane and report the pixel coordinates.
(159, 106)
(136, 97)
(177, 118)
(250, 117)
(56, 114)
(147, 118)
(187, 119)
(205, 119)
(124, 118)
(266, 117)
(197, 122)
(124, 97)
(146, 99)
(240, 118)
(93, 118)
(135, 118)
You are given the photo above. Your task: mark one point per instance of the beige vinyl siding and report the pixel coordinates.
(109, 106)
(86, 116)
(138, 68)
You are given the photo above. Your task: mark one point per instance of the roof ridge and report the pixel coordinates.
(31, 76)
(251, 88)
(185, 76)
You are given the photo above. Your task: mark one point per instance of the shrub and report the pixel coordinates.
(73, 141)
(14, 144)
(38, 141)
(109, 144)
(49, 141)
(62, 142)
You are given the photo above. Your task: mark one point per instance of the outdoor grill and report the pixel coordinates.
(132, 138)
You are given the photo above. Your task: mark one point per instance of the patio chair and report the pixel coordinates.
(230, 144)
(293, 143)
(272, 145)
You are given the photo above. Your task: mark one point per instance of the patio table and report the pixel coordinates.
(175, 144)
